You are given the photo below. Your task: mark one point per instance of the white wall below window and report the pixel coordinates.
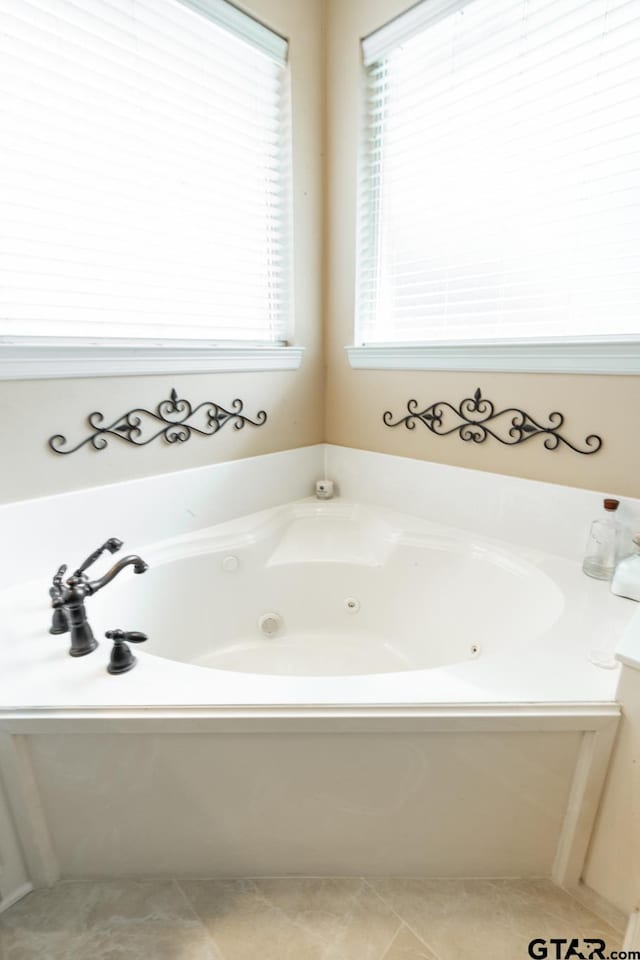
(544, 516)
(65, 528)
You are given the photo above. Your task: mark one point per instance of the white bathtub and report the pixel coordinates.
(353, 590)
(370, 606)
(429, 704)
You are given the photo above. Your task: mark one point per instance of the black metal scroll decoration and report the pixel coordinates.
(475, 420)
(176, 417)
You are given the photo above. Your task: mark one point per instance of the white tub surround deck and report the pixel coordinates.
(428, 706)
(379, 609)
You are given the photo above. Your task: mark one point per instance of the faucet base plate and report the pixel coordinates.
(84, 650)
(124, 668)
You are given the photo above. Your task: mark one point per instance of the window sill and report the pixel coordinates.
(44, 358)
(527, 356)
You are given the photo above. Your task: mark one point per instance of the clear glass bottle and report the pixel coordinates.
(626, 579)
(603, 545)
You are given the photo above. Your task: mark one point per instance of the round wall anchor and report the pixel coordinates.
(270, 623)
(230, 564)
(352, 605)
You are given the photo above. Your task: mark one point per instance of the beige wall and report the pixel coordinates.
(31, 411)
(355, 400)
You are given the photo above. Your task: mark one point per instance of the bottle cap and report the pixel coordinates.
(611, 504)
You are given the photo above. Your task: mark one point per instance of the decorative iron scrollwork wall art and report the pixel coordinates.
(476, 419)
(178, 420)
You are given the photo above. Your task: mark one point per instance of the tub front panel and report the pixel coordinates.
(454, 804)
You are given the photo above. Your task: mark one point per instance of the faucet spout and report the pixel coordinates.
(139, 566)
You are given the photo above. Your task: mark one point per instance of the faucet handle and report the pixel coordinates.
(112, 545)
(133, 636)
(122, 659)
(60, 617)
(58, 576)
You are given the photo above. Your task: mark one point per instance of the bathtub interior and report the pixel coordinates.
(354, 592)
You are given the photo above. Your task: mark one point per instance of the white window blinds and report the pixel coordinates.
(500, 190)
(144, 171)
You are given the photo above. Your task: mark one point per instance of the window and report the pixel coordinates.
(144, 174)
(500, 189)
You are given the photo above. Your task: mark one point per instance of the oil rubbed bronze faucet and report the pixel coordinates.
(60, 618)
(68, 598)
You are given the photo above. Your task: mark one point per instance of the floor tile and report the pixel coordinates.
(489, 919)
(297, 919)
(294, 919)
(105, 921)
(406, 946)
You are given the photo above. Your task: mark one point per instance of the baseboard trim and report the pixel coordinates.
(632, 936)
(18, 894)
(597, 904)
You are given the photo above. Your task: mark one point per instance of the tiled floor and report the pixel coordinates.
(297, 919)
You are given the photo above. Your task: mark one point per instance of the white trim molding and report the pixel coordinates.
(28, 816)
(44, 358)
(601, 719)
(632, 938)
(244, 26)
(589, 777)
(405, 26)
(597, 355)
(16, 895)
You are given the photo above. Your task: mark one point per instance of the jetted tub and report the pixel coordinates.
(327, 688)
(359, 604)
(335, 589)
